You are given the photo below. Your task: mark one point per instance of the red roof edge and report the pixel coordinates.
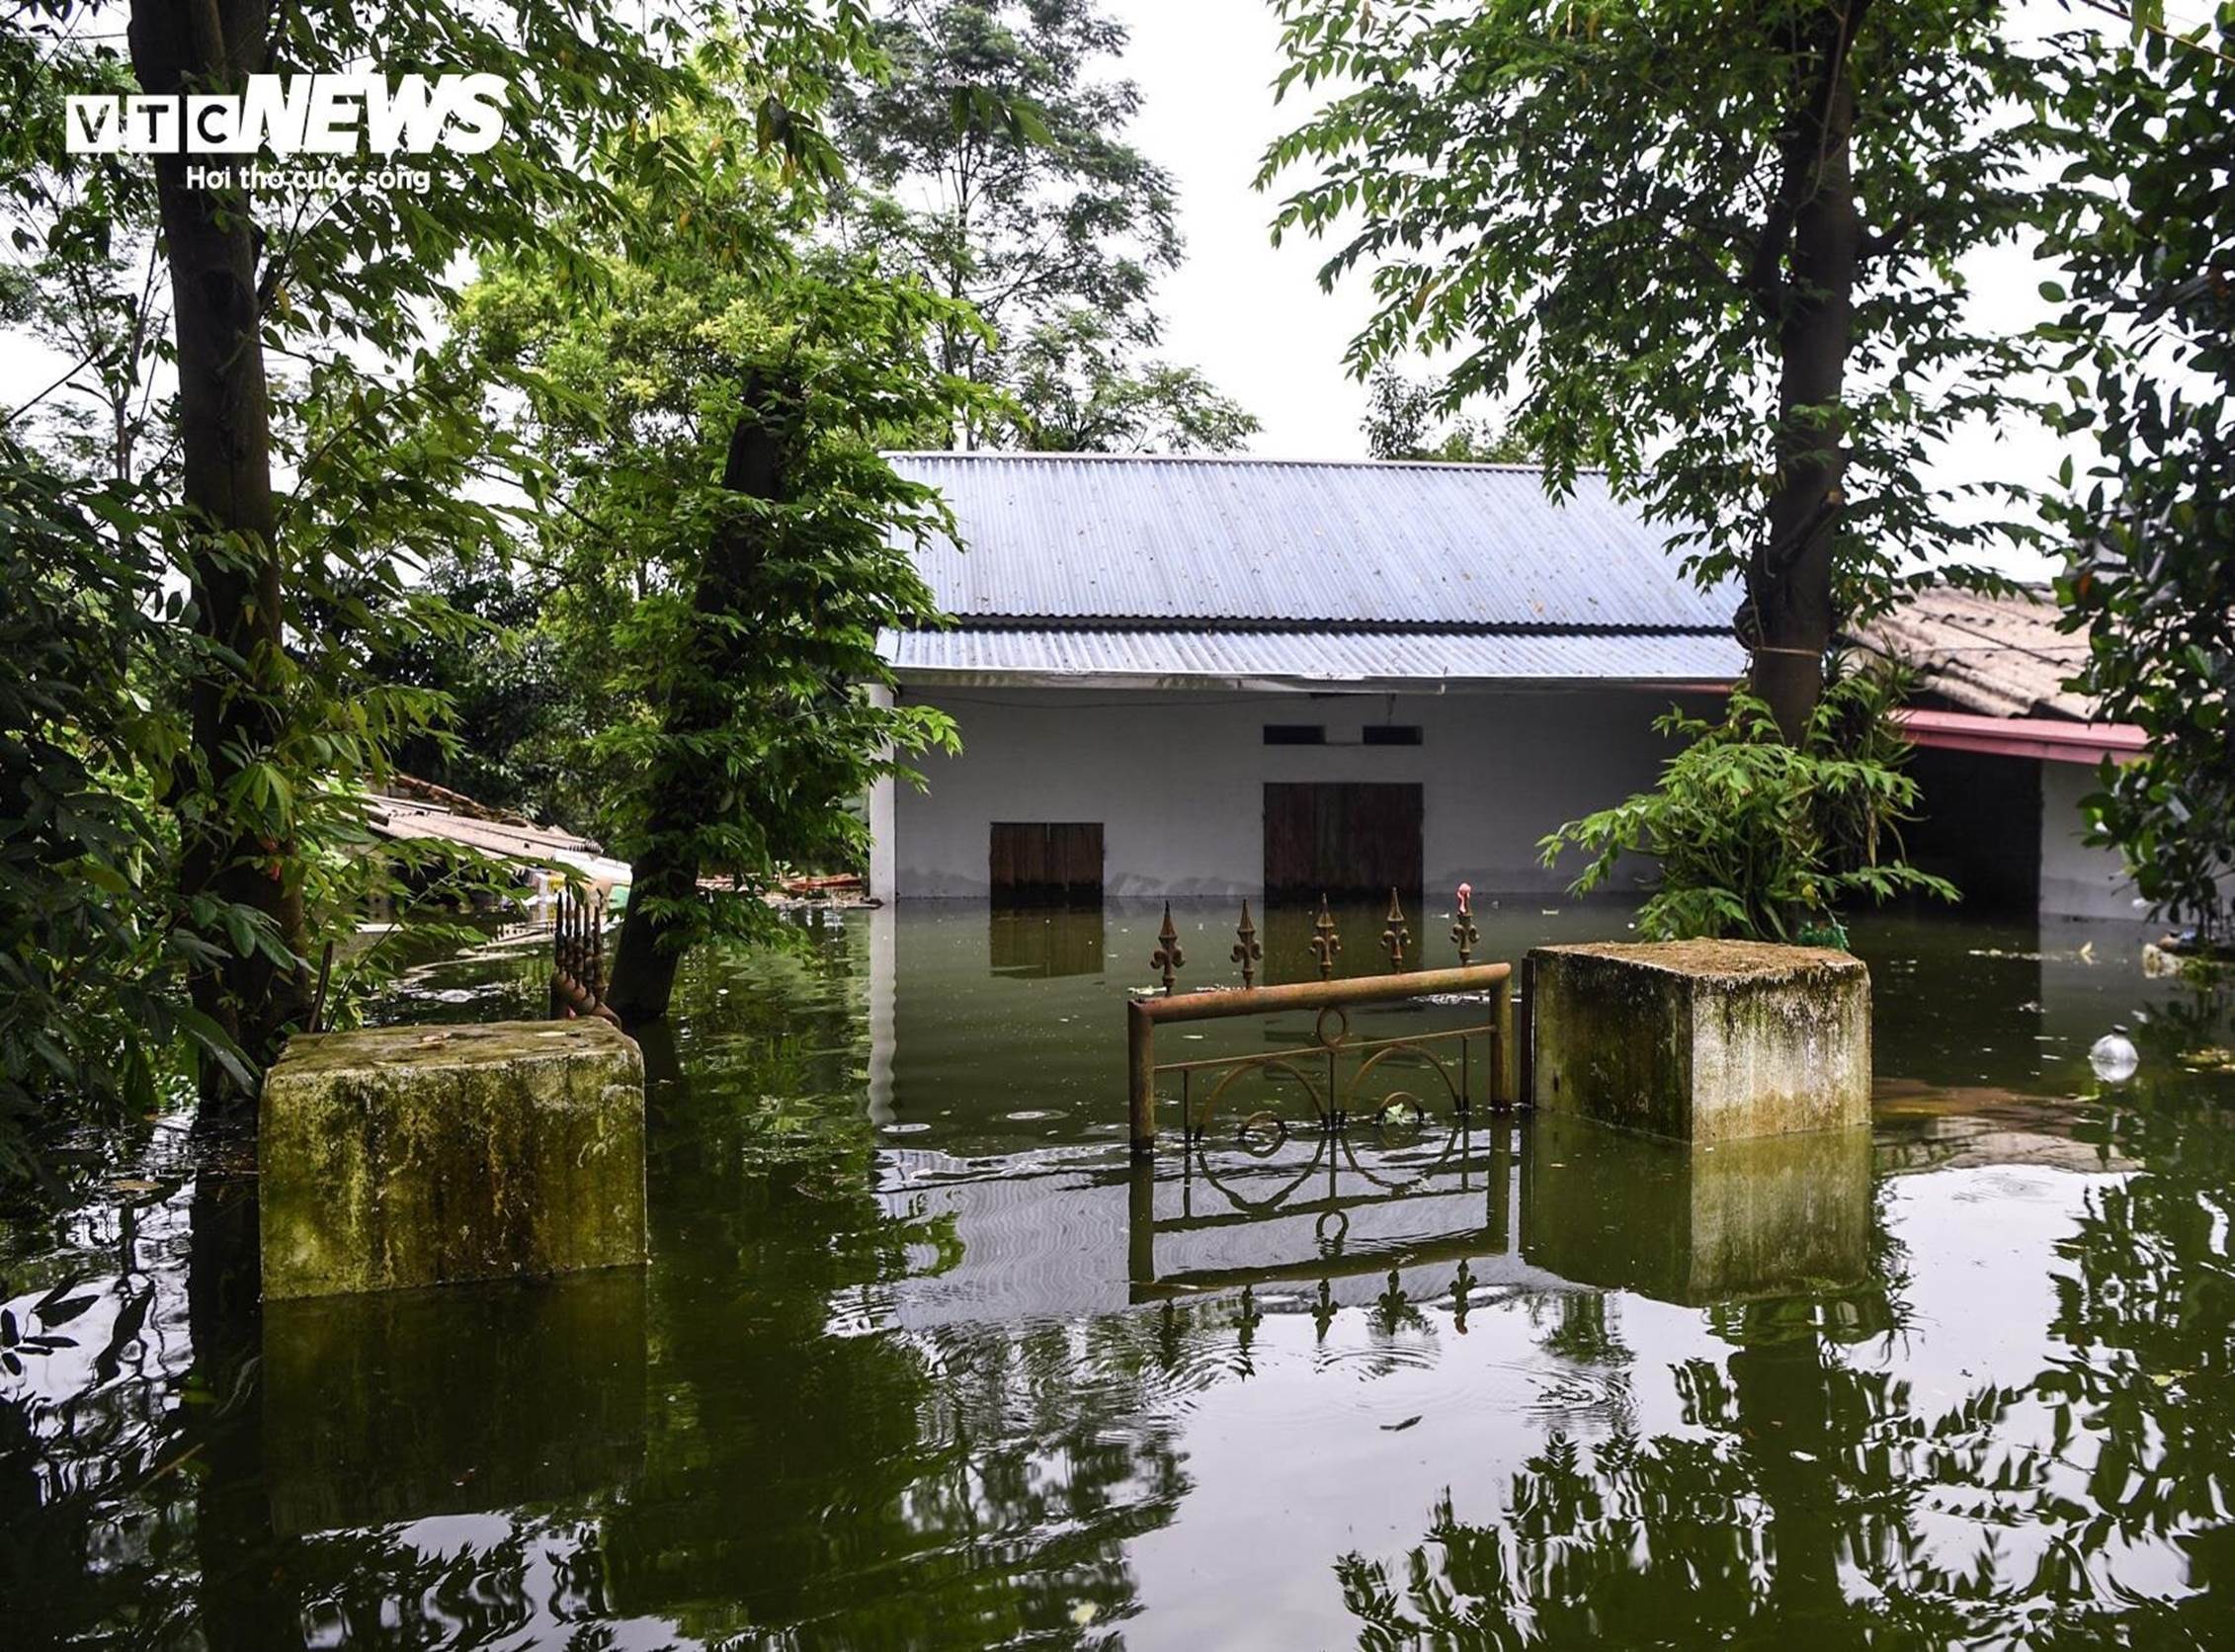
(2050, 739)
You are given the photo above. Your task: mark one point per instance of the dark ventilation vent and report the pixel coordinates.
(1295, 734)
(1390, 734)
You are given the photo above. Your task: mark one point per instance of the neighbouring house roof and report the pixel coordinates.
(1992, 670)
(2049, 739)
(1992, 656)
(1171, 572)
(411, 789)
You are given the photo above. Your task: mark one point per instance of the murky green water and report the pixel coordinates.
(918, 1362)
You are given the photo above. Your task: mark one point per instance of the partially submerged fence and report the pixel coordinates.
(578, 955)
(1472, 1063)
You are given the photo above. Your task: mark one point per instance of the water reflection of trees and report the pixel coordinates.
(804, 1471)
(810, 1468)
(100, 1394)
(1776, 1519)
(2146, 1316)
(1807, 1500)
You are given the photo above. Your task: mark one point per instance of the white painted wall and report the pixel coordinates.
(879, 812)
(1176, 779)
(2077, 882)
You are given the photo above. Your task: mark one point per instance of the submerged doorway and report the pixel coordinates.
(1340, 840)
(1031, 863)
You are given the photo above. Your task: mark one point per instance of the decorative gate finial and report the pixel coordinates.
(1325, 942)
(1464, 936)
(1246, 948)
(1168, 957)
(1397, 936)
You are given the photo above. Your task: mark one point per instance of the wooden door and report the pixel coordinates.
(1343, 840)
(1031, 862)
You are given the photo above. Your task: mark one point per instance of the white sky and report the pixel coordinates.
(1251, 317)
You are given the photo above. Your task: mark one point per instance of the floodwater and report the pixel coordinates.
(920, 1360)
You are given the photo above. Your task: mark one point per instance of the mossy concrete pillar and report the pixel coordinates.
(1701, 1041)
(405, 1156)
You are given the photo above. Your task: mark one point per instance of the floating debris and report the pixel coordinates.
(2085, 953)
(2113, 1056)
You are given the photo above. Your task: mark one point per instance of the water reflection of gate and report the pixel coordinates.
(1558, 1202)
(1410, 1196)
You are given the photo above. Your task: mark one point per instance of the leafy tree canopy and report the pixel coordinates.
(1718, 254)
(991, 157)
(1407, 418)
(707, 417)
(2148, 236)
(513, 709)
(1075, 391)
(274, 437)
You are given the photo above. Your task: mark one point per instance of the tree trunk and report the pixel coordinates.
(685, 793)
(231, 560)
(246, 1584)
(1812, 305)
(1786, 1389)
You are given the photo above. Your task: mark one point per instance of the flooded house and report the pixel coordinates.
(1232, 675)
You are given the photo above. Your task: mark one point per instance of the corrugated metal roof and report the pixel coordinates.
(1134, 657)
(1077, 537)
(2002, 656)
